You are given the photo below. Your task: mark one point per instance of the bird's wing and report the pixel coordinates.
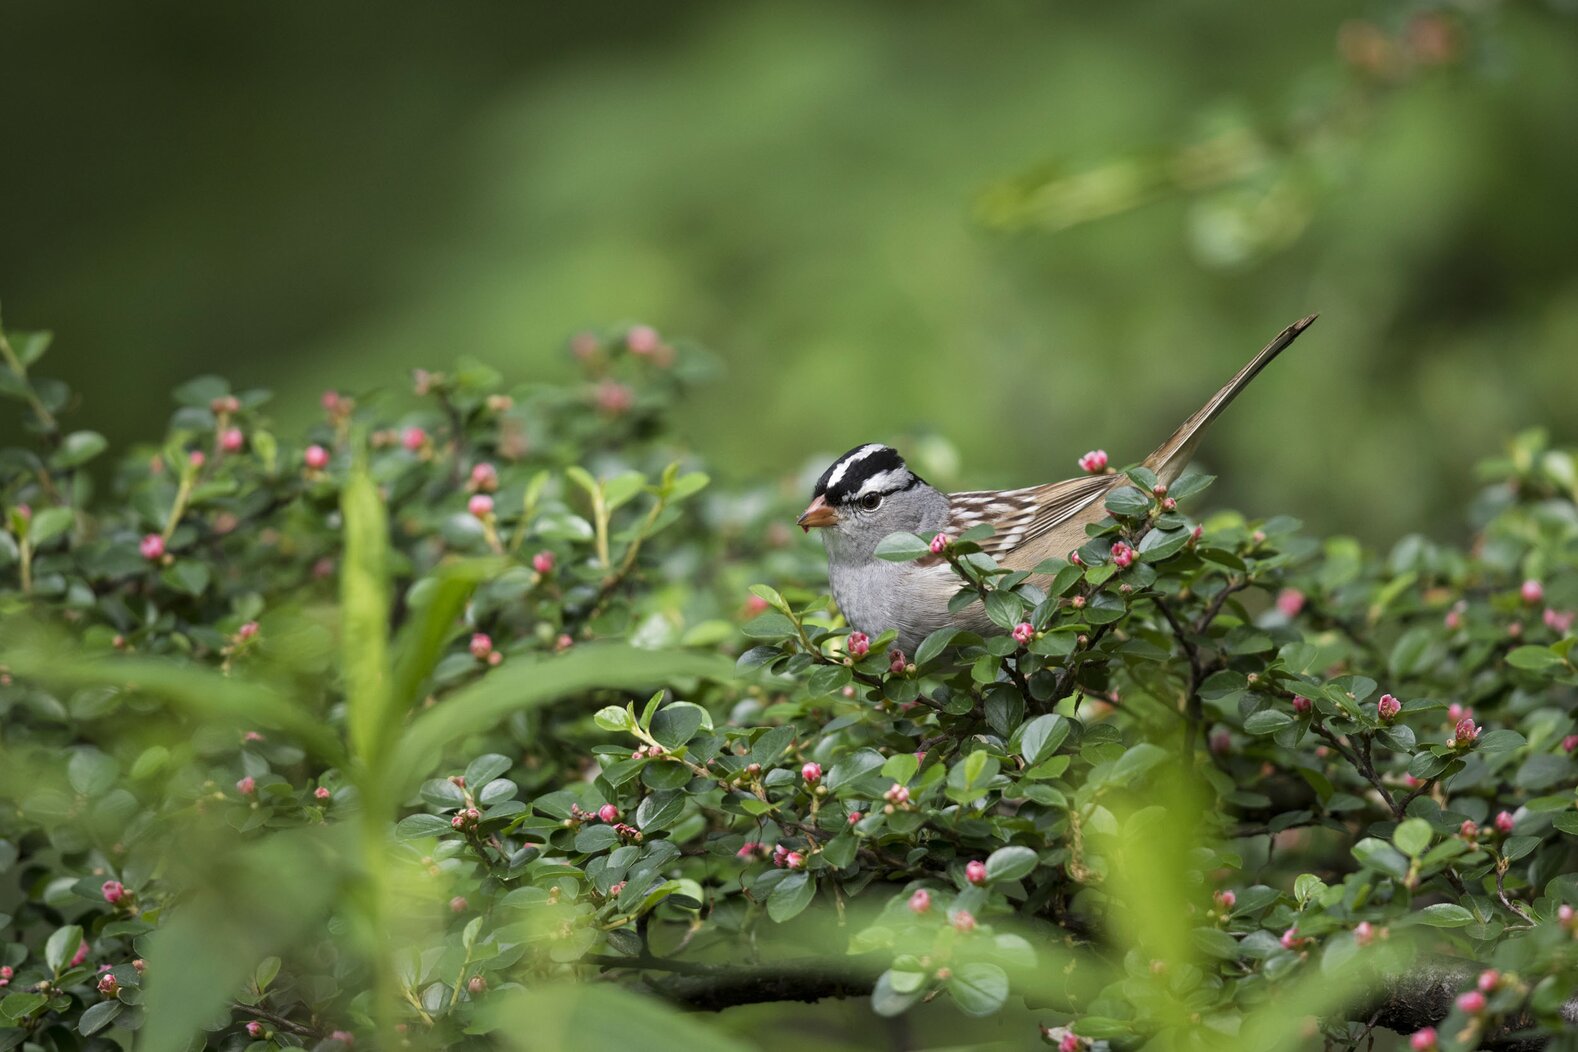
(1024, 516)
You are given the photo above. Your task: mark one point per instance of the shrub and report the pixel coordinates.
(338, 739)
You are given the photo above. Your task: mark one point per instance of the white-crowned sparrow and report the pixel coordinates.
(869, 493)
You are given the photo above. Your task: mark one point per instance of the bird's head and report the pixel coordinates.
(867, 494)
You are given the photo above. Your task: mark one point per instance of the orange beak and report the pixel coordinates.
(820, 513)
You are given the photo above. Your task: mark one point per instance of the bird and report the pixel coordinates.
(870, 492)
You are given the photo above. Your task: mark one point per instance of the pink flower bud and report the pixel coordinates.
(1301, 705)
(81, 954)
(1564, 915)
(476, 985)
(196, 458)
(543, 562)
(108, 986)
(225, 404)
(975, 872)
(247, 786)
(1290, 939)
(748, 850)
(897, 794)
(1122, 555)
(1388, 707)
(1094, 462)
(1221, 742)
(1515, 630)
(963, 922)
(480, 505)
(1532, 591)
(940, 543)
(794, 860)
(232, 440)
(1196, 533)
(754, 605)
(113, 891)
(1464, 733)
(322, 793)
(1488, 980)
(780, 854)
(1024, 632)
(1423, 1040)
(642, 339)
(484, 476)
(1468, 830)
(855, 817)
(315, 457)
(1071, 1042)
(1226, 900)
(1570, 743)
(481, 645)
(152, 547)
(1471, 1003)
(897, 662)
(466, 818)
(255, 1029)
(344, 1037)
(1168, 504)
(458, 904)
(413, 438)
(1290, 601)
(1504, 822)
(6, 971)
(1453, 621)
(584, 345)
(608, 813)
(811, 772)
(1456, 712)
(1363, 933)
(920, 902)
(859, 645)
(564, 642)
(1559, 621)
(614, 398)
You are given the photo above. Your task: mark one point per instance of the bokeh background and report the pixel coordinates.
(1029, 228)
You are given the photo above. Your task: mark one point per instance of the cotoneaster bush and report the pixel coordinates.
(476, 717)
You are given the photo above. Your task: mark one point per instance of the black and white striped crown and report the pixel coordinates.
(865, 470)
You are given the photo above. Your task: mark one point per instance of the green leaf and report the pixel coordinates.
(888, 1001)
(415, 827)
(902, 548)
(373, 713)
(1267, 721)
(901, 767)
(978, 988)
(1444, 915)
(1499, 741)
(677, 723)
(769, 626)
(933, 645)
(614, 718)
(49, 524)
(62, 946)
(1040, 737)
(1412, 837)
(1535, 658)
(433, 611)
(1128, 502)
(1379, 855)
(78, 448)
(186, 576)
(98, 1016)
(790, 896)
(1010, 863)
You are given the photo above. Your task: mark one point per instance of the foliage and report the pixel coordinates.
(356, 736)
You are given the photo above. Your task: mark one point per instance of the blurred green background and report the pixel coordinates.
(1030, 228)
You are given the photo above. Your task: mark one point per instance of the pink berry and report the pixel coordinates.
(1024, 632)
(1532, 591)
(316, 458)
(939, 543)
(232, 440)
(1488, 980)
(543, 562)
(1122, 555)
(1423, 1040)
(480, 505)
(859, 644)
(1095, 462)
(247, 786)
(458, 904)
(484, 476)
(1504, 822)
(811, 772)
(963, 921)
(152, 547)
(1471, 1003)
(1388, 707)
(642, 339)
(975, 872)
(608, 813)
(1290, 601)
(322, 793)
(1301, 705)
(113, 891)
(481, 645)
(920, 902)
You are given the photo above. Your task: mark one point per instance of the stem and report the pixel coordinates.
(46, 419)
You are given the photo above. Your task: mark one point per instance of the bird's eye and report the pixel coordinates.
(871, 501)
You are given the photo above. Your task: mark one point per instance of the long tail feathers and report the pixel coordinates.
(1173, 455)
